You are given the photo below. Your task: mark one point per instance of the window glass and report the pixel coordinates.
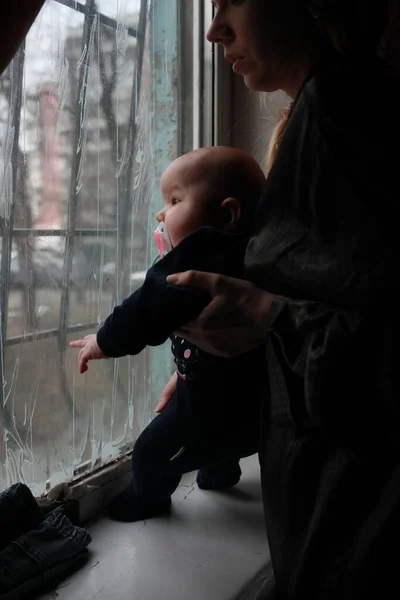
(92, 109)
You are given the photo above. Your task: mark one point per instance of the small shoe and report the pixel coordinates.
(125, 507)
(219, 482)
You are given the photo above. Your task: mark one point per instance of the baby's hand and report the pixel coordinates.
(90, 350)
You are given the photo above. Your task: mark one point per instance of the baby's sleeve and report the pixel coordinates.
(157, 309)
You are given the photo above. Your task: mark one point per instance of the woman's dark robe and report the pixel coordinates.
(327, 241)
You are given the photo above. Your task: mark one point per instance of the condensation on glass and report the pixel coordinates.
(90, 114)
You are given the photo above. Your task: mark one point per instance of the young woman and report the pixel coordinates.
(323, 290)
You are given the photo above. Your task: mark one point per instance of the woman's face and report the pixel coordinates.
(253, 35)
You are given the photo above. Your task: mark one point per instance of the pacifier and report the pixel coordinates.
(161, 240)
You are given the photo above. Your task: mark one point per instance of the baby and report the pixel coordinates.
(210, 196)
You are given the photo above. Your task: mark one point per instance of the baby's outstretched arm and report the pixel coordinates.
(157, 309)
(90, 350)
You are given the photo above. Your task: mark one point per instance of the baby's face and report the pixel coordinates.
(186, 194)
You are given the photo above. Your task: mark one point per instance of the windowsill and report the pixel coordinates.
(212, 546)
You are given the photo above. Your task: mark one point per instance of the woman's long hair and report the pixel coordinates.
(276, 137)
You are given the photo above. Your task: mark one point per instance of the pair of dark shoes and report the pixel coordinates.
(215, 478)
(125, 506)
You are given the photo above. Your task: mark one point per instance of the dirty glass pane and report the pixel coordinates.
(91, 112)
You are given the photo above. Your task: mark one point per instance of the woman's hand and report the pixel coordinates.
(90, 350)
(235, 321)
(167, 393)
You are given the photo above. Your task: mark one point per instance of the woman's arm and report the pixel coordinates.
(236, 319)
(344, 357)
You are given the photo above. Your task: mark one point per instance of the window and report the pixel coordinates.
(102, 95)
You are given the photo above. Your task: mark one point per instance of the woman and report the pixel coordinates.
(323, 294)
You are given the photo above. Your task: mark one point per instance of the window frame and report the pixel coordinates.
(196, 68)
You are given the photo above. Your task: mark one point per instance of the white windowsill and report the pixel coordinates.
(213, 546)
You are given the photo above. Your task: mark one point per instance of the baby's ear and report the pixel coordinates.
(232, 211)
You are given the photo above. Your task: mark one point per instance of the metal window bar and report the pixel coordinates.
(83, 8)
(46, 333)
(19, 231)
(15, 102)
(74, 192)
(135, 97)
